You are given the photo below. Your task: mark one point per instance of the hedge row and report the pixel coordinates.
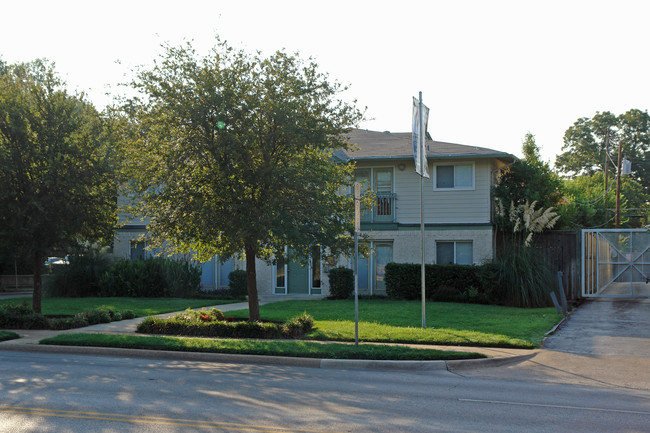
(293, 328)
(452, 283)
(157, 277)
(23, 317)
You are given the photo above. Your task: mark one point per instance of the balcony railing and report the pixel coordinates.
(383, 211)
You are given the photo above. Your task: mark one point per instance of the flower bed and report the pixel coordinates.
(212, 323)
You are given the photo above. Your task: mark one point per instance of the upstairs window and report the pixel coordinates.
(457, 176)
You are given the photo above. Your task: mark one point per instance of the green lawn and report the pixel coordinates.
(303, 349)
(140, 306)
(383, 320)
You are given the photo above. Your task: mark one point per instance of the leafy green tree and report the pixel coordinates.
(57, 187)
(528, 180)
(591, 144)
(587, 202)
(233, 152)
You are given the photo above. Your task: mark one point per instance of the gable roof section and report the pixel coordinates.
(398, 145)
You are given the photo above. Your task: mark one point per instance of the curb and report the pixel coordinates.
(350, 364)
(466, 364)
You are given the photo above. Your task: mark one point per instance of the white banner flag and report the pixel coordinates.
(419, 139)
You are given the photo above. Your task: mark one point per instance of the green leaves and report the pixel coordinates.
(238, 150)
(56, 165)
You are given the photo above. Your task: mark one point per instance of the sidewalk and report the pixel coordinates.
(29, 342)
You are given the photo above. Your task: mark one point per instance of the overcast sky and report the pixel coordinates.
(489, 71)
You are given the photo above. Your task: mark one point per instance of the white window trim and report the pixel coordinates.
(454, 241)
(372, 261)
(286, 276)
(455, 188)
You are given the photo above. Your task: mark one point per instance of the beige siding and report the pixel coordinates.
(440, 207)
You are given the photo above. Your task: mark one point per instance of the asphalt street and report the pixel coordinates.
(62, 392)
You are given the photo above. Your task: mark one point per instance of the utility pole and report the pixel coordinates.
(606, 169)
(618, 186)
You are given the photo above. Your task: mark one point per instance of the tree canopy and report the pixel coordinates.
(56, 167)
(528, 180)
(591, 206)
(232, 153)
(591, 144)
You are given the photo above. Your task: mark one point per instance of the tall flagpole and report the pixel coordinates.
(422, 150)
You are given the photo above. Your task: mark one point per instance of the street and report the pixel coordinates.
(62, 392)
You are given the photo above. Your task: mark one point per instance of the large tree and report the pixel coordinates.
(57, 186)
(528, 180)
(591, 145)
(232, 153)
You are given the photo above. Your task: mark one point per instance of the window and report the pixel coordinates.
(454, 252)
(315, 268)
(379, 180)
(280, 274)
(138, 250)
(371, 271)
(459, 176)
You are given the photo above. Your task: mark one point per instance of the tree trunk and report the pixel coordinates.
(251, 284)
(37, 263)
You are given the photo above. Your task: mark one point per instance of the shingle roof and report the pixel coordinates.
(398, 145)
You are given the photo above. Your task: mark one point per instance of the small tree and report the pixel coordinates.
(57, 187)
(233, 153)
(528, 180)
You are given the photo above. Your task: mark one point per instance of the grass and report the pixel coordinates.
(304, 349)
(382, 320)
(8, 335)
(140, 306)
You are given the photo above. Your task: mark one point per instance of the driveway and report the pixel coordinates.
(606, 327)
(604, 343)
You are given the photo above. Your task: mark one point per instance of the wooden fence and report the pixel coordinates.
(561, 248)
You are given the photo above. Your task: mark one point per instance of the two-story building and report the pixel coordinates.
(457, 209)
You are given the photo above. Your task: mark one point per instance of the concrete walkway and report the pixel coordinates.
(30, 338)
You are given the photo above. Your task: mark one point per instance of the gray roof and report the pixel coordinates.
(398, 145)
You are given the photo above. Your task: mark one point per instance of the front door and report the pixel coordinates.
(298, 278)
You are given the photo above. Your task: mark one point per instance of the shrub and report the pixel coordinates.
(95, 316)
(127, 315)
(525, 279)
(21, 317)
(68, 323)
(293, 328)
(298, 326)
(449, 283)
(199, 316)
(341, 283)
(237, 283)
(157, 277)
(80, 277)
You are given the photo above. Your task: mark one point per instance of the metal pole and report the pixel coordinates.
(606, 169)
(357, 224)
(422, 150)
(618, 187)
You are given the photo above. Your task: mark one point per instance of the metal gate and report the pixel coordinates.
(616, 262)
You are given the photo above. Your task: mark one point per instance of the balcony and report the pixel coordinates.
(383, 211)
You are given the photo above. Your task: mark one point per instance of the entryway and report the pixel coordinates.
(299, 277)
(616, 263)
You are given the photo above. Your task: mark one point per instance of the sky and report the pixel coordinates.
(489, 71)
